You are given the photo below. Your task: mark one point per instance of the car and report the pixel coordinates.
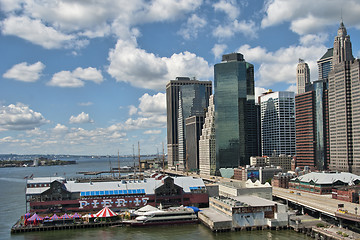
(291, 191)
(298, 193)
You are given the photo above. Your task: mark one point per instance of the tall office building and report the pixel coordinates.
(278, 123)
(207, 152)
(344, 106)
(184, 98)
(312, 138)
(235, 116)
(302, 76)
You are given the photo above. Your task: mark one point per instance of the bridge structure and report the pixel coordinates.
(324, 205)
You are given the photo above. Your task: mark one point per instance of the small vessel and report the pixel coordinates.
(174, 215)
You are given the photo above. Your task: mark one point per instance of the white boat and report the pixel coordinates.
(176, 215)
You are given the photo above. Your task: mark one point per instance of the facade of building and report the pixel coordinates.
(312, 129)
(325, 64)
(282, 180)
(263, 174)
(348, 193)
(278, 123)
(239, 188)
(207, 149)
(235, 115)
(323, 182)
(194, 126)
(283, 161)
(302, 76)
(344, 106)
(57, 194)
(184, 98)
(244, 211)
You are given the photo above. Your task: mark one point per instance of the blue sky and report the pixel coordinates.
(88, 77)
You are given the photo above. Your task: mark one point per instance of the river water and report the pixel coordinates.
(12, 206)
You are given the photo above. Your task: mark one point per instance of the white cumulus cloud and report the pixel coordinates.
(155, 104)
(81, 118)
(38, 33)
(309, 20)
(247, 28)
(76, 78)
(280, 66)
(20, 117)
(146, 70)
(218, 50)
(230, 7)
(25, 72)
(192, 27)
(71, 24)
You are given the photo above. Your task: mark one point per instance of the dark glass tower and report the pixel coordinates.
(235, 115)
(184, 98)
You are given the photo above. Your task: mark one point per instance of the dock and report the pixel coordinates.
(81, 225)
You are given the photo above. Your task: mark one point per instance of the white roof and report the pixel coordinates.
(44, 180)
(146, 186)
(36, 190)
(328, 178)
(254, 201)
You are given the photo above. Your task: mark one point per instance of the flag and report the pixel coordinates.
(26, 177)
(31, 176)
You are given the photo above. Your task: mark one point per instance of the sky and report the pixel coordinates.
(88, 77)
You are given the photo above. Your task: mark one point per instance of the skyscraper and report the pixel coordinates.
(344, 106)
(278, 123)
(207, 151)
(235, 116)
(302, 76)
(184, 98)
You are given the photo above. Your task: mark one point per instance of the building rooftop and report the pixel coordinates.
(146, 186)
(328, 178)
(329, 53)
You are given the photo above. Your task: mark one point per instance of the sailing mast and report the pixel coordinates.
(139, 159)
(134, 162)
(119, 165)
(163, 158)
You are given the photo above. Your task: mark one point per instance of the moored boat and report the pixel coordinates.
(175, 215)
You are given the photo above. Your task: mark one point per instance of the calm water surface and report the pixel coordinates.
(12, 206)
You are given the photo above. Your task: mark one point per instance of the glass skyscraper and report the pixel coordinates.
(235, 116)
(184, 98)
(278, 123)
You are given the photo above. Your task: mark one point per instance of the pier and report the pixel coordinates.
(81, 225)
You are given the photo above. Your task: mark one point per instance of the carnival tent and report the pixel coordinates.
(27, 215)
(65, 216)
(54, 217)
(106, 212)
(76, 215)
(35, 217)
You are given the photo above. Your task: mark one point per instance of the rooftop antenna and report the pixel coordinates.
(341, 16)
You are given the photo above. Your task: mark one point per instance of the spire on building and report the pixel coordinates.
(342, 46)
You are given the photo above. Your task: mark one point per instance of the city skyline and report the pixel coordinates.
(90, 79)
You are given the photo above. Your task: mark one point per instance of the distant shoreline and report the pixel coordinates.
(34, 163)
